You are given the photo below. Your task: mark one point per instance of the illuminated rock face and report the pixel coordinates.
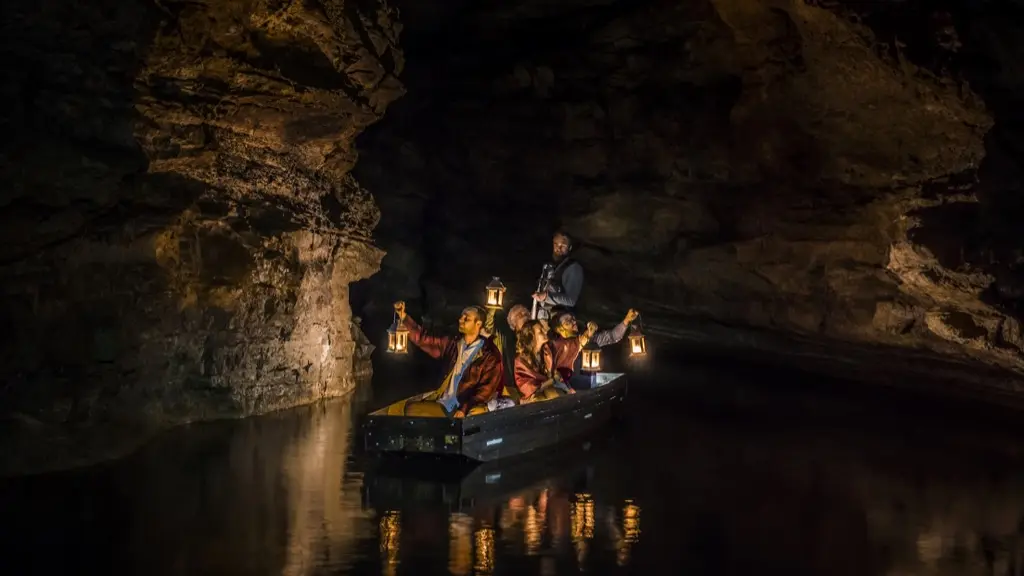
(768, 175)
(179, 226)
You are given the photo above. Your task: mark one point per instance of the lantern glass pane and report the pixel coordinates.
(636, 344)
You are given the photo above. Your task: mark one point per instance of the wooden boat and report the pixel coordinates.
(503, 433)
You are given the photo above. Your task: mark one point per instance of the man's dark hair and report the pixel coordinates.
(558, 314)
(481, 315)
(567, 236)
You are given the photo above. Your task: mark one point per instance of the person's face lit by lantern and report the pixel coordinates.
(567, 325)
(560, 247)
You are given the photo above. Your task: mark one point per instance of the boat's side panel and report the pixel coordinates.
(441, 436)
(540, 425)
(497, 434)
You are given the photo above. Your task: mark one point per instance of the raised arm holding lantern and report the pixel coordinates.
(474, 371)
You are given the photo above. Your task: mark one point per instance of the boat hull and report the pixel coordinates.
(504, 433)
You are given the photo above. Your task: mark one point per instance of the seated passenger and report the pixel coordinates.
(473, 366)
(516, 317)
(564, 347)
(535, 380)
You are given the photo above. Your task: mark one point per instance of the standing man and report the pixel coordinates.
(564, 282)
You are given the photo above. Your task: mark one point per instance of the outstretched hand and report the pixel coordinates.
(400, 310)
(591, 330)
(631, 315)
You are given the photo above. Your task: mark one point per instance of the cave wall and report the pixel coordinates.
(757, 172)
(179, 224)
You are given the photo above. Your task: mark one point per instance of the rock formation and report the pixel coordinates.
(179, 224)
(777, 175)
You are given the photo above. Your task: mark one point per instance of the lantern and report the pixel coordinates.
(495, 294)
(637, 343)
(398, 338)
(591, 361)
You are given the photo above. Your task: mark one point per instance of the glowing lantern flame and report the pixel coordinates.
(495, 294)
(591, 361)
(637, 343)
(398, 338)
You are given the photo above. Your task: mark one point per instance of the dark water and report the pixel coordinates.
(715, 472)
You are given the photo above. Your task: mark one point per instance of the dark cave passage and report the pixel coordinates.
(746, 196)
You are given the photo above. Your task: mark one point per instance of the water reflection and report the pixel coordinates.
(483, 540)
(390, 541)
(283, 494)
(324, 508)
(476, 546)
(460, 552)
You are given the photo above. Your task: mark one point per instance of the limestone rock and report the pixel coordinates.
(179, 226)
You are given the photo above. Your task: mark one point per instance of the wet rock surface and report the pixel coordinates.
(179, 226)
(832, 180)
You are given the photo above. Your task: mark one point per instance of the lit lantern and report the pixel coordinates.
(495, 294)
(591, 358)
(398, 338)
(637, 343)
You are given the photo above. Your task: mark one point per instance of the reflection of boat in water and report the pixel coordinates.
(556, 506)
(394, 483)
(503, 433)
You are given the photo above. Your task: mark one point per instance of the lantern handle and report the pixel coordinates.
(638, 322)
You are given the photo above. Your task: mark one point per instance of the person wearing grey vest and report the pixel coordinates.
(563, 279)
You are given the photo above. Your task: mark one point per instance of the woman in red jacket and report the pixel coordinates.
(534, 378)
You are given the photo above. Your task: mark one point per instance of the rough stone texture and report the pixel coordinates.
(178, 225)
(767, 174)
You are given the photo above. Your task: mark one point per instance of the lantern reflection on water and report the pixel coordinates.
(630, 532)
(582, 525)
(495, 294)
(390, 534)
(532, 531)
(398, 338)
(484, 540)
(460, 547)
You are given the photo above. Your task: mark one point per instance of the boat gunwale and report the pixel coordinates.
(564, 403)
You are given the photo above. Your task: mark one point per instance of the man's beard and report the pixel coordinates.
(556, 257)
